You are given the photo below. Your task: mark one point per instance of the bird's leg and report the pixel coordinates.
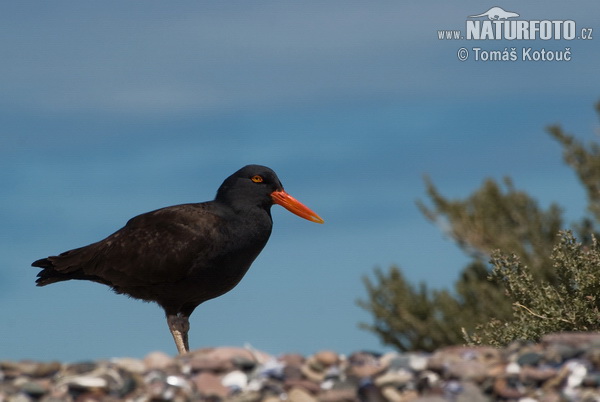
(179, 327)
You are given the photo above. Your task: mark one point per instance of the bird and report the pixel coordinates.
(183, 255)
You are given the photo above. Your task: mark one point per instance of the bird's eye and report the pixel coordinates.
(257, 179)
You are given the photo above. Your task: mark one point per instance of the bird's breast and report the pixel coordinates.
(239, 245)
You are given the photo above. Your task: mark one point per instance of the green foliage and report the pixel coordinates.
(492, 219)
(540, 307)
(541, 285)
(406, 316)
(585, 161)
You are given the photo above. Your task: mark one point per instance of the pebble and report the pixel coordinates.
(210, 386)
(562, 367)
(158, 361)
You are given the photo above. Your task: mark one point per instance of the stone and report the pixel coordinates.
(366, 371)
(35, 389)
(363, 358)
(249, 396)
(342, 395)
(39, 370)
(131, 365)
(209, 385)
(394, 361)
(244, 363)
(591, 380)
(29, 368)
(512, 369)
(307, 385)
(207, 360)
(592, 355)
(428, 382)
(452, 354)
(221, 359)
(417, 362)
(395, 395)
(370, 392)
(505, 390)
(274, 369)
(575, 339)
(85, 382)
(397, 378)
(158, 361)
(300, 395)
(292, 373)
(529, 359)
(313, 369)
(9, 370)
(565, 367)
(292, 359)
(235, 380)
(471, 393)
(495, 370)
(20, 398)
(364, 365)
(467, 370)
(327, 358)
(536, 375)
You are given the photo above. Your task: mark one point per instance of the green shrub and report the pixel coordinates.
(540, 307)
(539, 282)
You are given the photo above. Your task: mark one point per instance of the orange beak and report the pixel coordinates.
(282, 198)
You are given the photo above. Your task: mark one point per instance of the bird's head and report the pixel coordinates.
(255, 185)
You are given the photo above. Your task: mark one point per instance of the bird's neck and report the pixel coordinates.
(243, 202)
(244, 209)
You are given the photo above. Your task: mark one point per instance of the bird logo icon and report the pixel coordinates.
(495, 14)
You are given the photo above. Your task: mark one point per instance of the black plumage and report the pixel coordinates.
(183, 255)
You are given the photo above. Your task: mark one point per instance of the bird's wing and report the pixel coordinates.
(155, 247)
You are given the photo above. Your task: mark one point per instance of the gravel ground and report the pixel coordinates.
(562, 367)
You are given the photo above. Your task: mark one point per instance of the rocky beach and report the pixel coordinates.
(561, 367)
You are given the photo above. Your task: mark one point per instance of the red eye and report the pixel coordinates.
(257, 179)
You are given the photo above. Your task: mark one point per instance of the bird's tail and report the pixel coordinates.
(49, 274)
(60, 268)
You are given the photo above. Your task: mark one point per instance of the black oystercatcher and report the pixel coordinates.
(183, 255)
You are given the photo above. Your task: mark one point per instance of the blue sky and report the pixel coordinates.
(116, 108)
